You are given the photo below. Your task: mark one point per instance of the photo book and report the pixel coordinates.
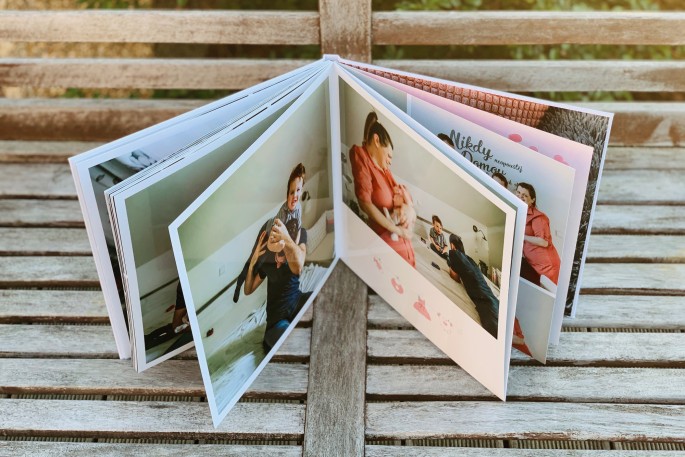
(467, 210)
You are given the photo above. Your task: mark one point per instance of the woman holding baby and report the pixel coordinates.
(387, 204)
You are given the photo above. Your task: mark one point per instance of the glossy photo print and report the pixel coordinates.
(254, 248)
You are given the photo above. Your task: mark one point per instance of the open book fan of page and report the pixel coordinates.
(467, 210)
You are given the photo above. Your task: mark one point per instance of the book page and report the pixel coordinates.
(256, 246)
(396, 185)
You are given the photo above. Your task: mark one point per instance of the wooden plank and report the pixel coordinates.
(598, 311)
(44, 241)
(53, 306)
(63, 271)
(539, 421)
(637, 248)
(116, 377)
(40, 213)
(42, 151)
(435, 451)
(527, 27)
(96, 341)
(634, 278)
(629, 312)
(145, 26)
(36, 180)
(551, 75)
(655, 187)
(565, 384)
(575, 348)
(150, 420)
(636, 219)
(143, 73)
(55, 449)
(644, 158)
(346, 28)
(84, 119)
(337, 366)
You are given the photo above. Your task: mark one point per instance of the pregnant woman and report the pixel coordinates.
(388, 205)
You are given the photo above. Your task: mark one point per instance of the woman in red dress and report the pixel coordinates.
(387, 204)
(538, 251)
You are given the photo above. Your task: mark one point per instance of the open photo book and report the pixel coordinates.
(468, 210)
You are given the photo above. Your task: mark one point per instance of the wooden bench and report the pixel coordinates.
(354, 378)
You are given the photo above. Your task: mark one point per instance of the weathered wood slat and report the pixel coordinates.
(40, 213)
(84, 120)
(346, 29)
(499, 420)
(145, 26)
(143, 73)
(598, 311)
(435, 451)
(575, 348)
(644, 158)
(647, 312)
(566, 384)
(638, 219)
(53, 306)
(96, 341)
(42, 151)
(117, 377)
(161, 420)
(48, 271)
(617, 187)
(527, 27)
(551, 75)
(44, 241)
(337, 366)
(54, 449)
(635, 123)
(637, 248)
(634, 278)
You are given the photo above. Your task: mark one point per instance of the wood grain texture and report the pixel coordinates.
(97, 342)
(143, 73)
(42, 151)
(117, 377)
(637, 248)
(53, 306)
(499, 420)
(167, 420)
(346, 28)
(84, 120)
(638, 219)
(575, 348)
(18, 271)
(644, 158)
(58, 449)
(634, 278)
(44, 241)
(551, 75)
(145, 26)
(335, 401)
(598, 311)
(564, 384)
(435, 451)
(36, 180)
(527, 27)
(40, 213)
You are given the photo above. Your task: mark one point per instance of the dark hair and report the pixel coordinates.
(530, 189)
(292, 226)
(373, 127)
(298, 172)
(436, 219)
(501, 177)
(455, 240)
(446, 138)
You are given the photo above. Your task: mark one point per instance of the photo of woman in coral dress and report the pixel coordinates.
(388, 205)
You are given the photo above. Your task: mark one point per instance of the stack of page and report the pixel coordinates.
(466, 209)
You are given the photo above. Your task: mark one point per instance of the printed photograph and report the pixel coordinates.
(433, 220)
(255, 246)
